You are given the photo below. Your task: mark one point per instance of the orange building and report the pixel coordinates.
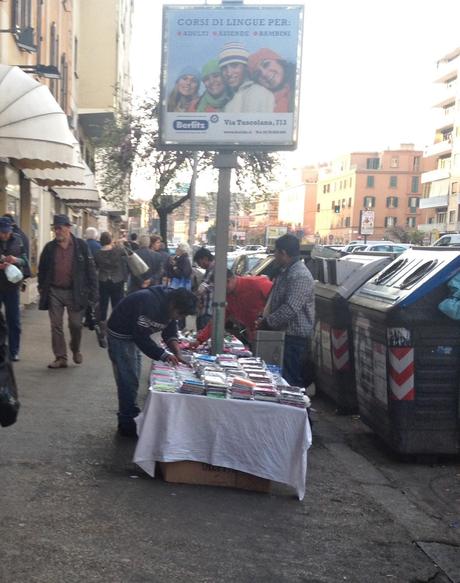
(387, 183)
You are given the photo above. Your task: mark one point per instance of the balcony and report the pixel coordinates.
(434, 202)
(444, 147)
(429, 227)
(433, 175)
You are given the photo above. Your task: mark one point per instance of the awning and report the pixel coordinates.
(33, 128)
(85, 196)
(70, 176)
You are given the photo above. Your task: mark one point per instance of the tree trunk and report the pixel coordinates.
(163, 216)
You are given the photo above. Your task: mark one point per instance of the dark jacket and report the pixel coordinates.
(13, 246)
(93, 245)
(84, 277)
(141, 314)
(180, 267)
(111, 264)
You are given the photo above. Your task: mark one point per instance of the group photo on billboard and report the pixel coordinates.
(230, 75)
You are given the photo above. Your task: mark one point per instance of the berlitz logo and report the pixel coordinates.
(190, 124)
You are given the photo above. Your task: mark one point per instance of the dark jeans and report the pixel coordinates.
(109, 290)
(126, 362)
(297, 357)
(10, 299)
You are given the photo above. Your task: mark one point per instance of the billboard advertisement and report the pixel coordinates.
(230, 77)
(366, 223)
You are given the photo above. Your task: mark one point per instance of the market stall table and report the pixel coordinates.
(264, 439)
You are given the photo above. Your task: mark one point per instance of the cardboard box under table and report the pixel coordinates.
(265, 440)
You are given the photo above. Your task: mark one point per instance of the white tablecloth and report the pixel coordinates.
(264, 439)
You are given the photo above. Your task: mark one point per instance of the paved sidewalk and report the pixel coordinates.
(75, 509)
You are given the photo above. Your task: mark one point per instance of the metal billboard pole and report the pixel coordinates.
(224, 161)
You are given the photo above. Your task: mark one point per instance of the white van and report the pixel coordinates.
(448, 240)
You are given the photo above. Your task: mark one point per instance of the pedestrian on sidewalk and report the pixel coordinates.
(66, 280)
(246, 300)
(112, 274)
(12, 252)
(130, 326)
(291, 308)
(205, 259)
(153, 261)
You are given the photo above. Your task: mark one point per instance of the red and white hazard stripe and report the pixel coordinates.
(340, 349)
(402, 374)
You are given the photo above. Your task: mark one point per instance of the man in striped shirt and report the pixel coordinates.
(291, 308)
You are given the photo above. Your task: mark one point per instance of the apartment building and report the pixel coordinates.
(386, 182)
(441, 161)
(297, 203)
(63, 44)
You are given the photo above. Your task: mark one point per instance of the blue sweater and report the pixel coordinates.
(141, 314)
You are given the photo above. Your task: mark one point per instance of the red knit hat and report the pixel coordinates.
(259, 56)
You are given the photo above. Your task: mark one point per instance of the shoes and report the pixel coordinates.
(58, 363)
(14, 358)
(77, 357)
(127, 431)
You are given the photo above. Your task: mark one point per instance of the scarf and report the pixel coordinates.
(210, 103)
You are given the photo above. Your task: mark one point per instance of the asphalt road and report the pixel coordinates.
(76, 510)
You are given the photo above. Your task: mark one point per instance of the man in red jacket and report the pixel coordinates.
(246, 299)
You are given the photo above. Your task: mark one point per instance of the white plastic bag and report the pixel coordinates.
(13, 274)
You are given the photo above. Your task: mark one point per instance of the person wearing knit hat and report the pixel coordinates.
(268, 69)
(184, 96)
(216, 95)
(247, 96)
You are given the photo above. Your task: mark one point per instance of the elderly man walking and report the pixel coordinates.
(66, 280)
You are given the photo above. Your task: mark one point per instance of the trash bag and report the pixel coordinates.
(451, 307)
(454, 286)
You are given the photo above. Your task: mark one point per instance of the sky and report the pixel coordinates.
(367, 70)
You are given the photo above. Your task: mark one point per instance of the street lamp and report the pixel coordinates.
(47, 71)
(24, 38)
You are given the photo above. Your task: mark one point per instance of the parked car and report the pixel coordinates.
(255, 248)
(353, 244)
(451, 240)
(244, 262)
(382, 248)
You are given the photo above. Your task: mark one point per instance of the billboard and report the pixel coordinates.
(366, 223)
(230, 77)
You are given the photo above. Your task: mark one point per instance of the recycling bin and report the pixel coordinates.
(332, 344)
(407, 353)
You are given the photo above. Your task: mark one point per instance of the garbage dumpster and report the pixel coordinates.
(407, 353)
(332, 346)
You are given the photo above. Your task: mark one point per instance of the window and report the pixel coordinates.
(452, 217)
(411, 222)
(369, 202)
(349, 202)
(426, 189)
(373, 163)
(333, 205)
(343, 203)
(394, 162)
(392, 202)
(22, 14)
(350, 182)
(416, 164)
(413, 202)
(441, 217)
(347, 221)
(393, 181)
(414, 184)
(444, 163)
(390, 221)
(75, 57)
(318, 208)
(370, 182)
(63, 96)
(455, 188)
(54, 52)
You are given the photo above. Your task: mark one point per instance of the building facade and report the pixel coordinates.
(441, 179)
(387, 183)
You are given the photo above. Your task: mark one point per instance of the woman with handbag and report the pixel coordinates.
(180, 268)
(154, 267)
